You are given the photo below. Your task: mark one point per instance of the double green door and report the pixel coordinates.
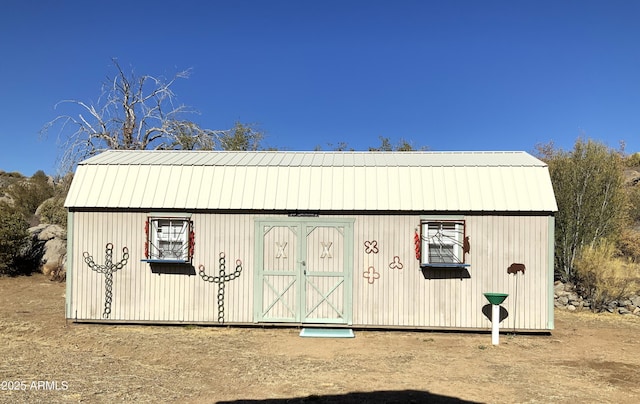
(303, 270)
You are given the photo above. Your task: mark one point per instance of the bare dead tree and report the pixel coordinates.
(132, 113)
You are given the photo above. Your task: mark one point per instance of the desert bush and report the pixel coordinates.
(14, 242)
(633, 194)
(603, 276)
(52, 211)
(588, 183)
(632, 160)
(6, 179)
(629, 244)
(28, 194)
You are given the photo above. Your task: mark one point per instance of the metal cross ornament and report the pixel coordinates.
(326, 253)
(281, 252)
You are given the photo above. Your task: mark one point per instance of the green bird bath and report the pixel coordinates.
(495, 299)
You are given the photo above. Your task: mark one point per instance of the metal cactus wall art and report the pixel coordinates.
(108, 268)
(221, 279)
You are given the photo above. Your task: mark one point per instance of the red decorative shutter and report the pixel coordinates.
(192, 240)
(146, 239)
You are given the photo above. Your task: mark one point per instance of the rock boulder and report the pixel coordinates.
(50, 241)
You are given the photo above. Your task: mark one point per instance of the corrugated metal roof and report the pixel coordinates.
(342, 181)
(313, 159)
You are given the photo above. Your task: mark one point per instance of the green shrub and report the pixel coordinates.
(629, 244)
(632, 160)
(52, 211)
(603, 276)
(14, 243)
(28, 194)
(633, 194)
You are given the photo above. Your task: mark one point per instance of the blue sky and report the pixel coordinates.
(449, 75)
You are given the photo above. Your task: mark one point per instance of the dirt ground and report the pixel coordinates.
(588, 358)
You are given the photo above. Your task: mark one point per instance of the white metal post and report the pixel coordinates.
(495, 324)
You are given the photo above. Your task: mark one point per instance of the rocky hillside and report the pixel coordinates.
(46, 249)
(6, 180)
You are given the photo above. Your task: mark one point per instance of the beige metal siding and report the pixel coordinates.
(139, 293)
(398, 297)
(403, 297)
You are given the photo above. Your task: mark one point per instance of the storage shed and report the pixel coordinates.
(353, 239)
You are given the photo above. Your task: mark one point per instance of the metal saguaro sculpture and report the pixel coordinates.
(221, 279)
(107, 269)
